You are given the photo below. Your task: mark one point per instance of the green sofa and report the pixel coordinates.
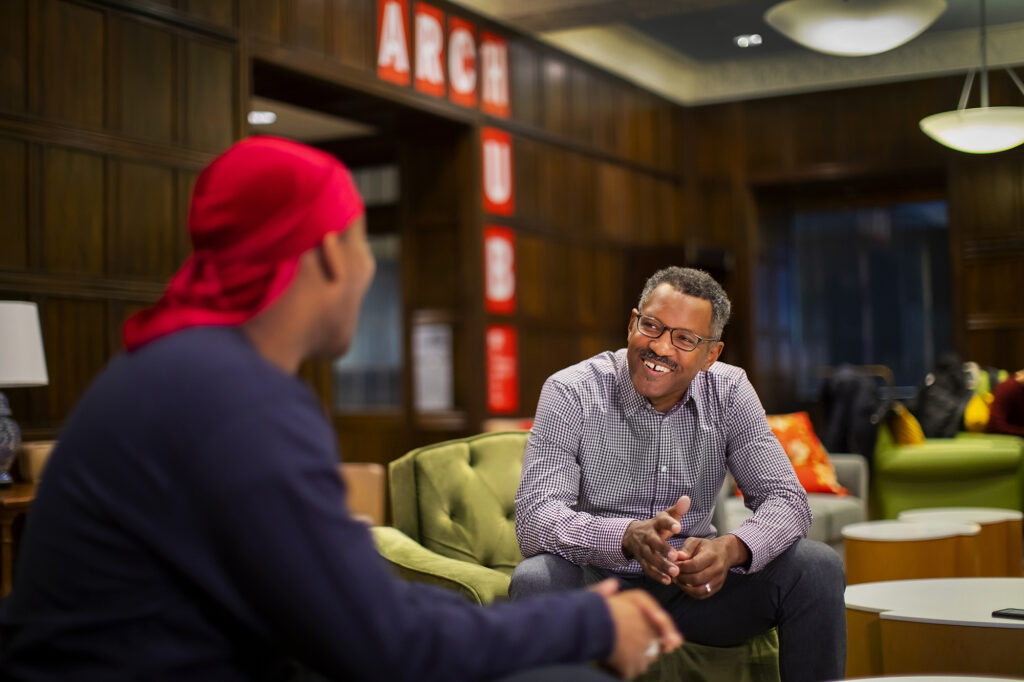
(454, 526)
(971, 470)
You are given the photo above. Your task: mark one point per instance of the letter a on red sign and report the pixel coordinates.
(393, 41)
(499, 270)
(499, 194)
(429, 49)
(461, 62)
(502, 369)
(494, 75)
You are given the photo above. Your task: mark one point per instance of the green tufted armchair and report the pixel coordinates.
(454, 526)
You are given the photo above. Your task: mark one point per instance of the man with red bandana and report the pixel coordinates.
(622, 468)
(192, 523)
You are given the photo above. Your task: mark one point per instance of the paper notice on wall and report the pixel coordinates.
(432, 367)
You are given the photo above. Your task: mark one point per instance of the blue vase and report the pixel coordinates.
(10, 441)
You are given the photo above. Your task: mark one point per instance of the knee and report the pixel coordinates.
(544, 573)
(821, 567)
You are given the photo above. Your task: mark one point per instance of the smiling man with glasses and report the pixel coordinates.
(622, 468)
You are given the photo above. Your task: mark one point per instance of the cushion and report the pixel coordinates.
(806, 453)
(466, 492)
(905, 428)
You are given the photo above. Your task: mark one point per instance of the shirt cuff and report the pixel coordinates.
(758, 546)
(608, 546)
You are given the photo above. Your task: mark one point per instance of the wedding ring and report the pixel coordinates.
(707, 587)
(653, 649)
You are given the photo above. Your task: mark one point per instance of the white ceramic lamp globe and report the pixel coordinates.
(853, 28)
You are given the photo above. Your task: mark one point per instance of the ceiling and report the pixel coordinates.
(685, 49)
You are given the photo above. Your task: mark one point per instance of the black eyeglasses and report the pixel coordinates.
(681, 338)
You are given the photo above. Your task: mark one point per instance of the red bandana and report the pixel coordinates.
(255, 210)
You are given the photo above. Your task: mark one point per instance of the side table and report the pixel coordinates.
(14, 501)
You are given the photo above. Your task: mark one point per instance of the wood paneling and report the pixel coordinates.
(309, 19)
(211, 100)
(220, 12)
(14, 199)
(74, 213)
(144, 82)
(13, 56)
(75, 339)
(354, 33)
(74, 40)
(264, 19)
(143, 236)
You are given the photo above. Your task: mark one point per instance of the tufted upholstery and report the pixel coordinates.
(452, 509)
(457, 498)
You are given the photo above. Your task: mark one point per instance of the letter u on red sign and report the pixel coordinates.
(498, 176)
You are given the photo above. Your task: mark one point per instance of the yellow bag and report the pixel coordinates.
(977, 412)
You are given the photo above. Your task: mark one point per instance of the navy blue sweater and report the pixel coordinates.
(191, 523)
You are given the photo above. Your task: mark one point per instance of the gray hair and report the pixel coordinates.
(697, 283)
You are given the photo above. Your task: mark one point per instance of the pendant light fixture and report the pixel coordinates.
(853, 28)
(981, 130)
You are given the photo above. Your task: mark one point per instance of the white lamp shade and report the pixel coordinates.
(977, 131)
(853, 28)
(22, 362)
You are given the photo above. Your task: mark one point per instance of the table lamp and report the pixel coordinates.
(22, 363)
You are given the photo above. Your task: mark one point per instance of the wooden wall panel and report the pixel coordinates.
(223, 13)
(143, 236)
(525, 83)
(555, 95)
(144, 81)
(309, 19)
(74, 189)
(73, 44)
(525, 166)
(354, 33)
(211, 103)
(531, 293)
(75, 339)
(987, 197)
(14, 200)
(993, 285)
(264, 19)
(13, 56)
(996, 347)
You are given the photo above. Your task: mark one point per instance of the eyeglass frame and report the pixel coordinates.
(670, 330)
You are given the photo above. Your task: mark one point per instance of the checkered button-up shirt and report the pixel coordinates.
(599, 457)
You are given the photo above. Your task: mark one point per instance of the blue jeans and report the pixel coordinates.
(800, 593)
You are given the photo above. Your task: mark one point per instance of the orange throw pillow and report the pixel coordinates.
(806, 453)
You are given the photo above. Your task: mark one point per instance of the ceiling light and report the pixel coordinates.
(853, 28)
(750, 40)
(262, 118)
(981, 130)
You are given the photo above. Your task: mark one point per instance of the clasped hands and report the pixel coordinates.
(699, 567)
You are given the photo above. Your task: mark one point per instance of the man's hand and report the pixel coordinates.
(643, 631)
(645, 541)
(704, 564)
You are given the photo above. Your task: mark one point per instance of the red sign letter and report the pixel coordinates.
(392, 41)
(461, 62)
(429, 50)
(494, 72)
(502, 369)
(499, 196)
(499, 270)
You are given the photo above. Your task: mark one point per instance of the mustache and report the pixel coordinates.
(648, 354)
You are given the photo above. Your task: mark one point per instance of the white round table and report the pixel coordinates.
(899, 550)
(934, 626)
(1000, 545)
